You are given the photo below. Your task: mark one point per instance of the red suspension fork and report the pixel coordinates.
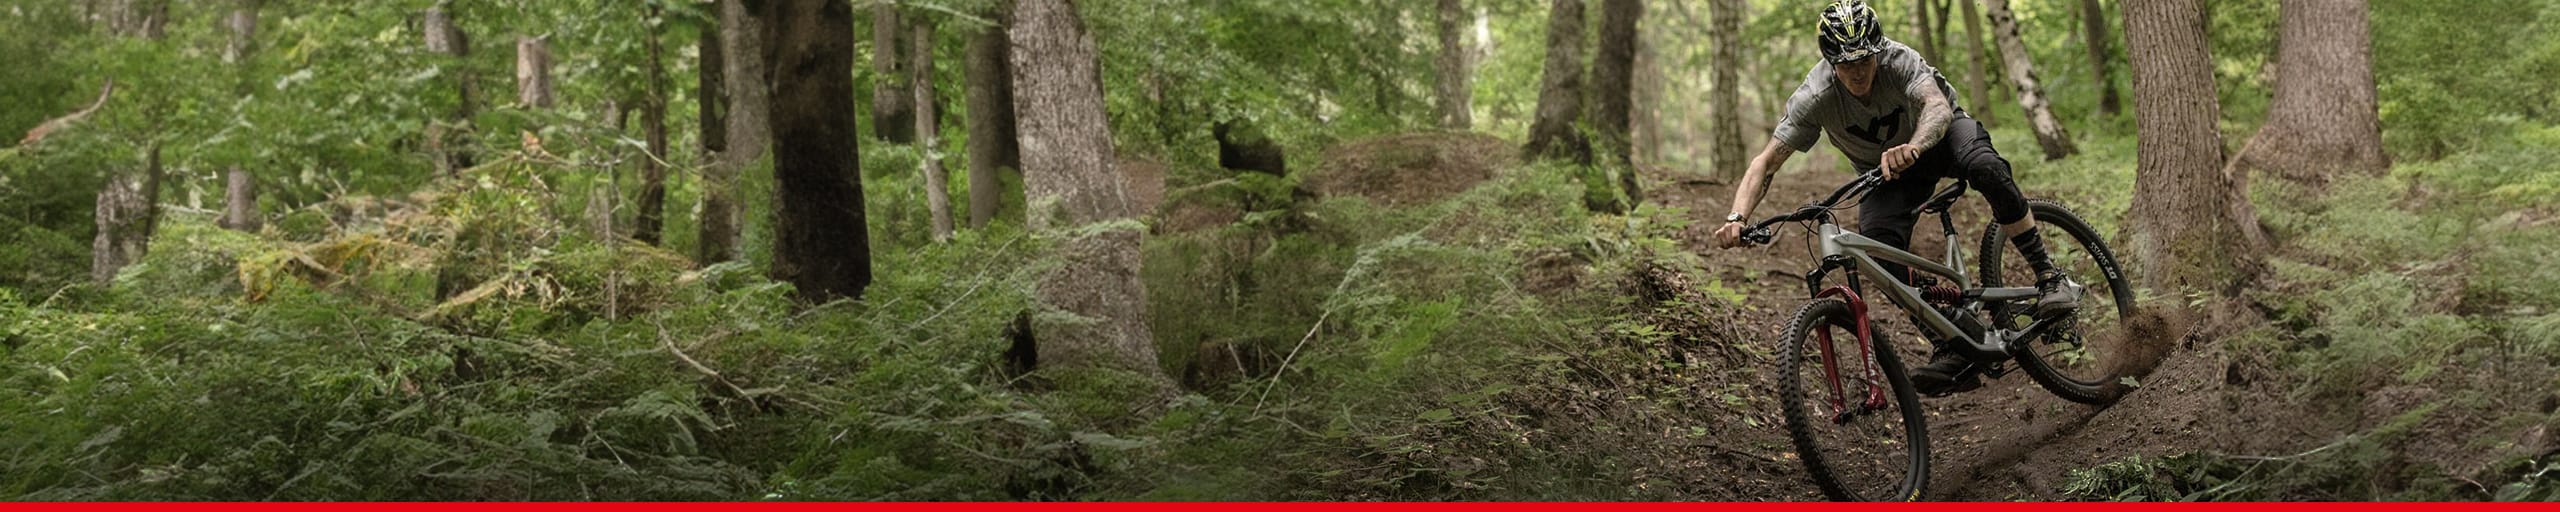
(1875, 398)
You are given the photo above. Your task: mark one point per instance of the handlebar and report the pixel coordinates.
(1760, 234)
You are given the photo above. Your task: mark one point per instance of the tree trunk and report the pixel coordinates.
(2323, 119)
(145, 19)
(1454, 97)
(1977, 83)
(1613, 77)
(2022, 75)
(992, 143)
(243, 23)
(1726, 134)
(1552, 134)
(1098, 304)
(743, 73)
(937, 190)
(653, 119)
(821, 245)
(892, 104)
(533, 72)
(449, 140)
(240, 201)
(2093, 28)
(2190, 226)
(240, 190)
(126, 214)
(711, 92)
(1920, 31)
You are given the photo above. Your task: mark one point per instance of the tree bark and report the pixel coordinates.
(1613, 78)
(1726, 132)
(145, 19)
(243, 23)
(743, 73)
(892, 105)
(711, 92)
(993, 146)
(653, 118)
(1098, 306)
(2093, 23)
(1977, 82)
(821, 245)
(240, 201)
(2190, 226)
(533, 72)
(126, 214)
(2323, 120)
(449, 140)
(1552, 134)
(1920, 31)
(1455, 98)
(937, 189)
(2022, 76)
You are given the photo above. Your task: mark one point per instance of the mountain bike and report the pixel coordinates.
(1849, 405)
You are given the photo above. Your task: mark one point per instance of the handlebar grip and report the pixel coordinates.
(1759, 236)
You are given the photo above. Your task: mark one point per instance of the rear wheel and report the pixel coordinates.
(1855, 452)
(2082, 358)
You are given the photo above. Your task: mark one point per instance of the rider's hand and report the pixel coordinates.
(1898, 159)
(1730, 235)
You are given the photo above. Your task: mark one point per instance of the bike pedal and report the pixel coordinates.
(1994, 369)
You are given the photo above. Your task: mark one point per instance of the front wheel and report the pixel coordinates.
(2083, 359)
(1856, 447)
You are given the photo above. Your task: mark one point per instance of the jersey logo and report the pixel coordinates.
(1880, 129)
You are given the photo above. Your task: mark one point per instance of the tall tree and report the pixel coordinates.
(2323, 119)
(821, 245)
(2190, 226)
(937, 191)
(2022, 76)
(1613, 95)
(653, 119)
(127, 209)
(1977, 79)
(1552, 134)
(743, 73)
(1726, 131)
(2093, 23)
(240, 188)
(449, 139)
(533, 72)
(992, 144)
(1100, 304)
(1455, 98)
(1920, 31)
(892, 104)
(711, 92)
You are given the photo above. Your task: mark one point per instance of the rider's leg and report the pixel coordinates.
(1982, 165)
(1888, 215)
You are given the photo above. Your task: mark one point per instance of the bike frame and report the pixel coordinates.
(1842, 249)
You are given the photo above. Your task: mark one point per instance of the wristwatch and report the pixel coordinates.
(1733, 217)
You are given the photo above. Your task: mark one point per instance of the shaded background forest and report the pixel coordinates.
(1319, 249)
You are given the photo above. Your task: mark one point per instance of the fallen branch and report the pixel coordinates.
(58, 123)
(670, 343)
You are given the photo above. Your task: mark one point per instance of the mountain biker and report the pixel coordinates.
(1885, 108)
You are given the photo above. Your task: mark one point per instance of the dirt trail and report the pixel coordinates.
(2009, 440)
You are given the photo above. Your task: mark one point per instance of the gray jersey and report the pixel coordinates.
(1862, 127)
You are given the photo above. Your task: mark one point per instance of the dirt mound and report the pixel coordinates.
(1410, 168)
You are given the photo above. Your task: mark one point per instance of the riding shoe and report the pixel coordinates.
(1947, 373)
(2053, 295)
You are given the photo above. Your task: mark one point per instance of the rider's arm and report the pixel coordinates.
(1935, 113)
(1755, 181)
